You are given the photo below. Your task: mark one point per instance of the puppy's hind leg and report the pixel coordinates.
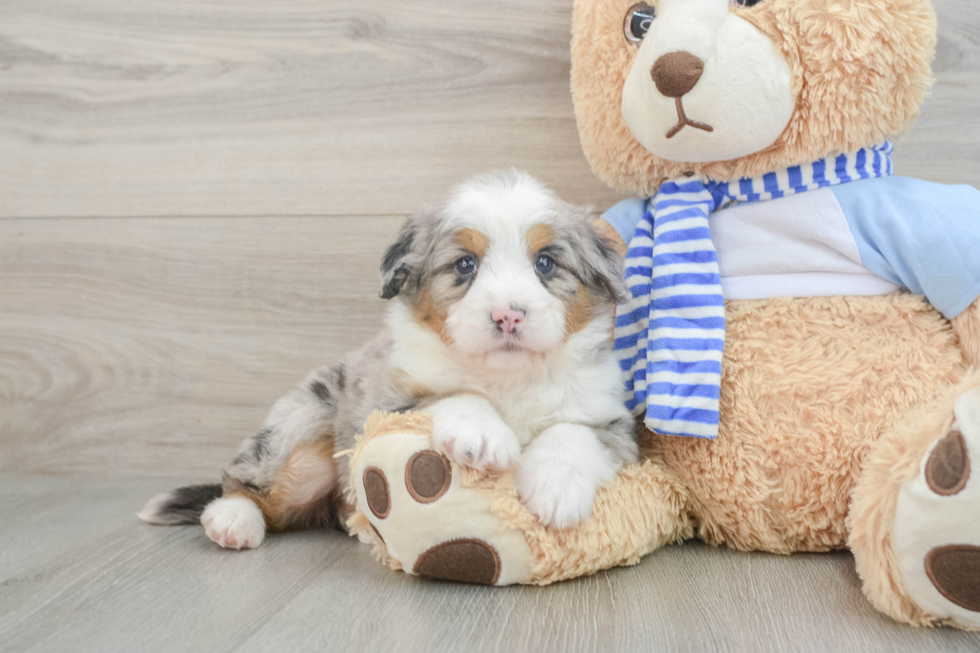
(234, 522)
(283, 478)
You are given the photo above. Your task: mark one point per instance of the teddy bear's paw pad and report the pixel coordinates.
(462, 561)
(427, 476)
(429, 520)
(936, 535)
(955, 571)
(376, 492)
(948, 466)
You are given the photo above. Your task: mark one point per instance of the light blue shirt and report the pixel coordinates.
(916, 234)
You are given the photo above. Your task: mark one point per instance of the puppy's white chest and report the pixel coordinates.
(530, 410)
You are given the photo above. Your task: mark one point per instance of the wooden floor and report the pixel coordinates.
(194, 196)
(78, 573)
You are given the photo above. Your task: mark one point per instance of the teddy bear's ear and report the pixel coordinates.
(400, 259)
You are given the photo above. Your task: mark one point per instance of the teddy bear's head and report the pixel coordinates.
(731, 88)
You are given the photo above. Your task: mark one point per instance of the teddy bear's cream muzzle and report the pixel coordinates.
(706, 85)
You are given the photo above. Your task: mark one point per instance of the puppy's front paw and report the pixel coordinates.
(487, 444)
(470, 432)
(560, 472)
(234, 523)
(557, 493)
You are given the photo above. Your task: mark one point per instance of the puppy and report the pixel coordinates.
(500, 329)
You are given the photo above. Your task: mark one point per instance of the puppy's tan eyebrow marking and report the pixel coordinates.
(538, 237)
(473, 240)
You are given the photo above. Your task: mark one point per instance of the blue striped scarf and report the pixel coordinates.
(670, 336)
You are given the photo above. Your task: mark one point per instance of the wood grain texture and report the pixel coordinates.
(109, 107)
(944, 144)
(80, 573)
(156, 345)
(184, 107)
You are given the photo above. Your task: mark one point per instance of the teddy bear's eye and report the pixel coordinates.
(638, 21)
(745, 3)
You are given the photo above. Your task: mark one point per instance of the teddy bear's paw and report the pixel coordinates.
(234, 523)
(936, 536)
(429, 521)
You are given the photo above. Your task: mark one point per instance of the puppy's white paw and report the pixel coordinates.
(486, 445)
(234, 523)
(469, 430)
(560, 472)
(555, 492)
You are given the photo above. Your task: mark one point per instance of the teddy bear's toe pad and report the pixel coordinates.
(376, 492)
(464, 561)
(948, 466)
(955, 571)
(936, 534)
(427, 476)
(429, 520)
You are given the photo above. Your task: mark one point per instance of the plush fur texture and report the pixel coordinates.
(803, 406)
(967, 328)
(860, 71)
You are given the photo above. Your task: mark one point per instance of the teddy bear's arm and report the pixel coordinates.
(967, 328)
(918, 234)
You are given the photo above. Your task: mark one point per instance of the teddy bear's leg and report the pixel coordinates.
(431, 517)
(915, 516)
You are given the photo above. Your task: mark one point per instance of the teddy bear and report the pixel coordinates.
(801, 345)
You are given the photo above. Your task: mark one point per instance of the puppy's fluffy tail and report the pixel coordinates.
(181, 506)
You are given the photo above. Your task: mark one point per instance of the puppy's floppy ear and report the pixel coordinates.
(396, 265)
(602, 265)
(606, 266)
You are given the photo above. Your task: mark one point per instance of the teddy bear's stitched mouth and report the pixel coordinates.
(683, 121)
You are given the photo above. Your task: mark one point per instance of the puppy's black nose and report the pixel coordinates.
(676, 73)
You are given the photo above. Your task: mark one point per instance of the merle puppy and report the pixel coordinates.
(500, 329)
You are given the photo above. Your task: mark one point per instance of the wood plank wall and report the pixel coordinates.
(194, 196)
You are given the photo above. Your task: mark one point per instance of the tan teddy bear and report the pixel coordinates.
(772, 316)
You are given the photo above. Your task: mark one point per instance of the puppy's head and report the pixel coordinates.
(503, 269)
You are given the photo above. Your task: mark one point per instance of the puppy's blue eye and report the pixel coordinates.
(466, 266)
(544, 265)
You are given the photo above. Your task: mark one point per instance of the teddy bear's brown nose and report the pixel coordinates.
(676, 73)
